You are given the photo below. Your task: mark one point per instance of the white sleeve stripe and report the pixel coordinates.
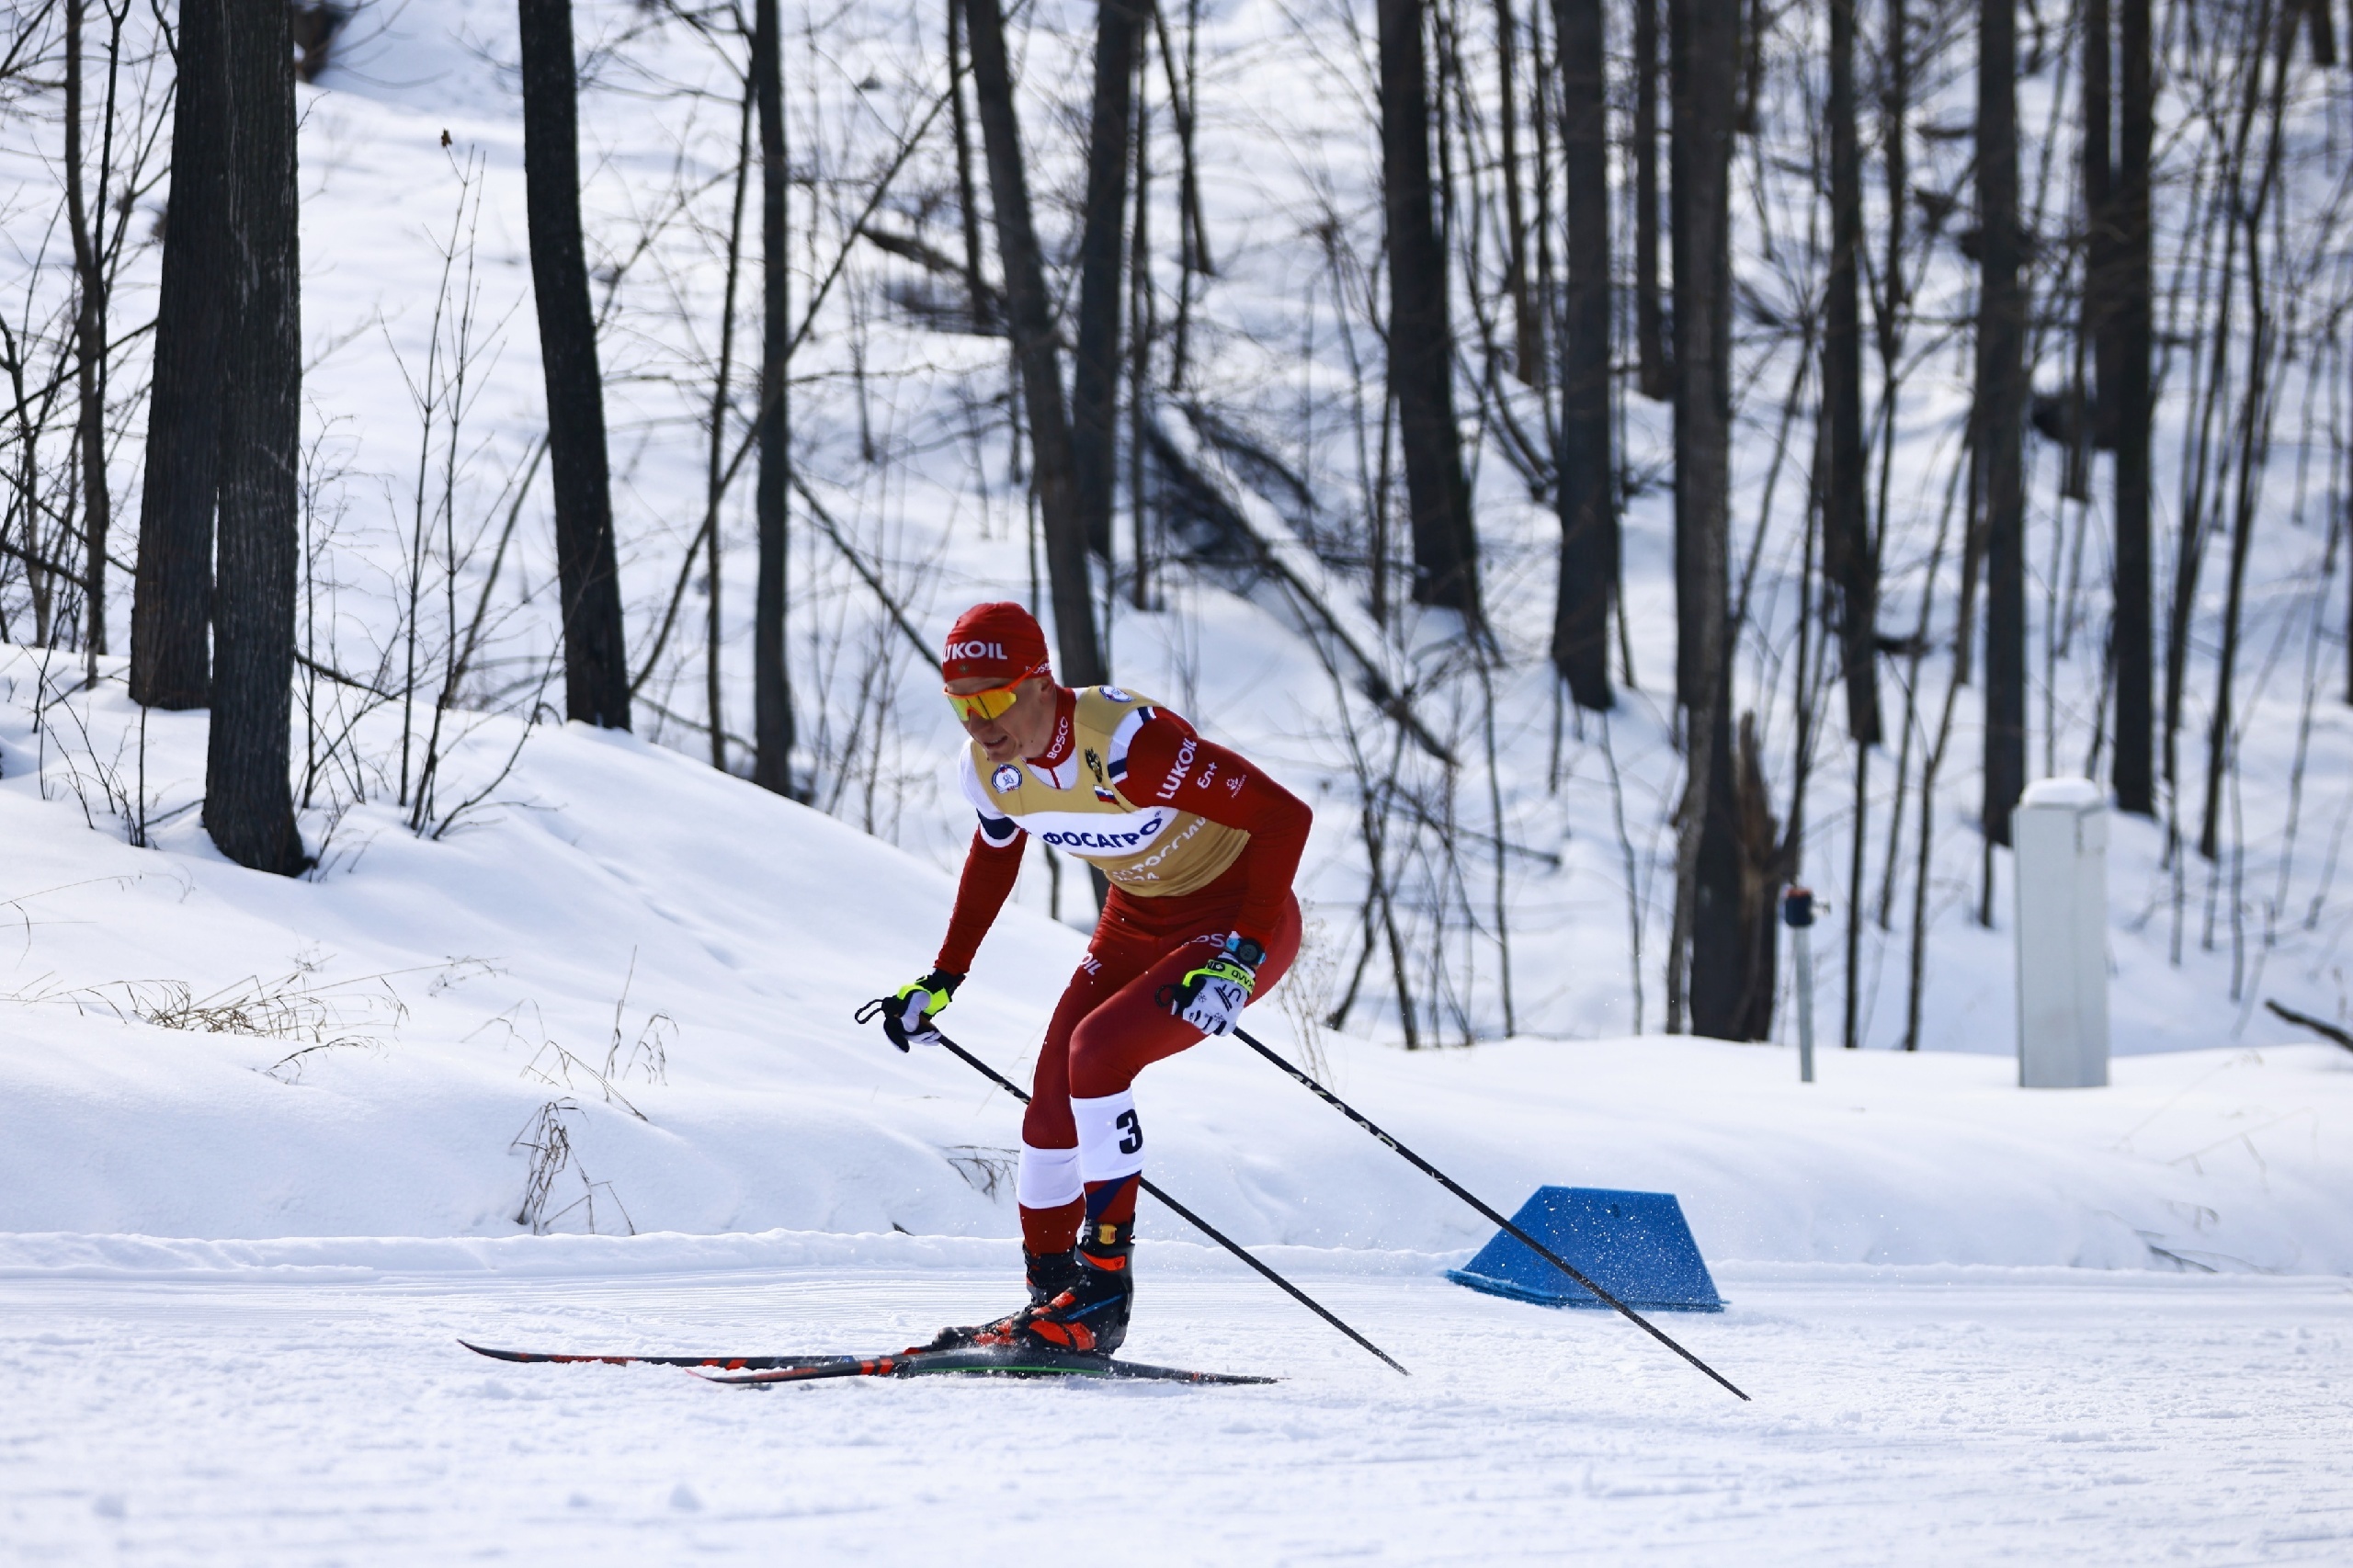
(1116, 763)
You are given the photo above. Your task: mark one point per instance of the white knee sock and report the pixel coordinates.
(1048, 1177)
(1110, 1138)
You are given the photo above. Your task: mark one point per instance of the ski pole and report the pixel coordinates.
(1220, 1237)
(1456, 1188)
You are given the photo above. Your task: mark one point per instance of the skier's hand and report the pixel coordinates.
(906, 1016)
(1211, 997)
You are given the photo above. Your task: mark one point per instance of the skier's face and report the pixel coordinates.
(1026, 729)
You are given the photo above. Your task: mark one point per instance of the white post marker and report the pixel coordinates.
(1797, 914)
(2060, 831)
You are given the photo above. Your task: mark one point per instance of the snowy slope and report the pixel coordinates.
(613, 897)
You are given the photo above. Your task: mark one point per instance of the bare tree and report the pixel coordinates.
(1528, 331)
(596, 658)
(1851, 561)
(171, 611)
(1650, 336)
(248, 793)
(85, 221)
(1849, 557)
(2128, 405)
(1095, 374)
(2095, 425)
(1704, 49)
(2254, 442)
(772, 717)
(1421, 336)
(1585, 481)
(977, 291)
(1029, 314)
(2000, 405)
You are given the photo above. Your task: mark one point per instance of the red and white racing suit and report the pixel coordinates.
(1196, 843)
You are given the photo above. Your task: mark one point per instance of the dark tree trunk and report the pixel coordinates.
(171, 605)
(1719, 950)
(595, 660)
(1650, 337)
(1740, 876)
(1704, 48)
(1585, 491)
(1030, 313)
(89, 343)
(1094, 377)
(2001, 332)
(1848, 556)
(1528, 332)
(1896, 105)
(1139, 336)
(772, 726)
(968, 201)
(1193, 247)
(1763, 872)
(1421, 336)
(2098, 320)
(248, 796)
(2134, 319)
(1700, 151)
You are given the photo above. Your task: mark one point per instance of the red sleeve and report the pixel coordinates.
(989, 873)
(1223, 786)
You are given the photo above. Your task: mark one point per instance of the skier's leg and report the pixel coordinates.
(1111, 1045)
(1047, 1185)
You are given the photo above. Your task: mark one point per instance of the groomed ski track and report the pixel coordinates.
(1939, 1416)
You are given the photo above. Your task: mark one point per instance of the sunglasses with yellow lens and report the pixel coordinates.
(993, 703)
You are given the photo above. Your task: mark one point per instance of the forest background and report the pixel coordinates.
(1615, 460)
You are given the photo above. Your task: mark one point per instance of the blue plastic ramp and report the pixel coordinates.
(1635, 1246)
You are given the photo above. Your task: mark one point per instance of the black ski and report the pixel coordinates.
(988, 1361)
(730, 1363)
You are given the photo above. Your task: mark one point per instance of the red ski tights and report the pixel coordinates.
(1111, 1023)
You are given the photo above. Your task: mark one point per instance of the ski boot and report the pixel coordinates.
(1049, 1274)
(1091, 1314)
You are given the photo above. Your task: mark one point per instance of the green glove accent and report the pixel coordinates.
(906, 1016)
(1225, 967)
(936, 989)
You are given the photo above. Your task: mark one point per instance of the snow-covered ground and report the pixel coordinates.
(317, 1410)
(266, 1147)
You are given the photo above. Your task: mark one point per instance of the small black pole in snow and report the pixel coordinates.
(1296, 1294)
(1456, 1188)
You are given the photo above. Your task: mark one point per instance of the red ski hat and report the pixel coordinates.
(1000, 640)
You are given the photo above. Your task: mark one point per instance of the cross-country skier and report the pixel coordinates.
(1199, 847)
